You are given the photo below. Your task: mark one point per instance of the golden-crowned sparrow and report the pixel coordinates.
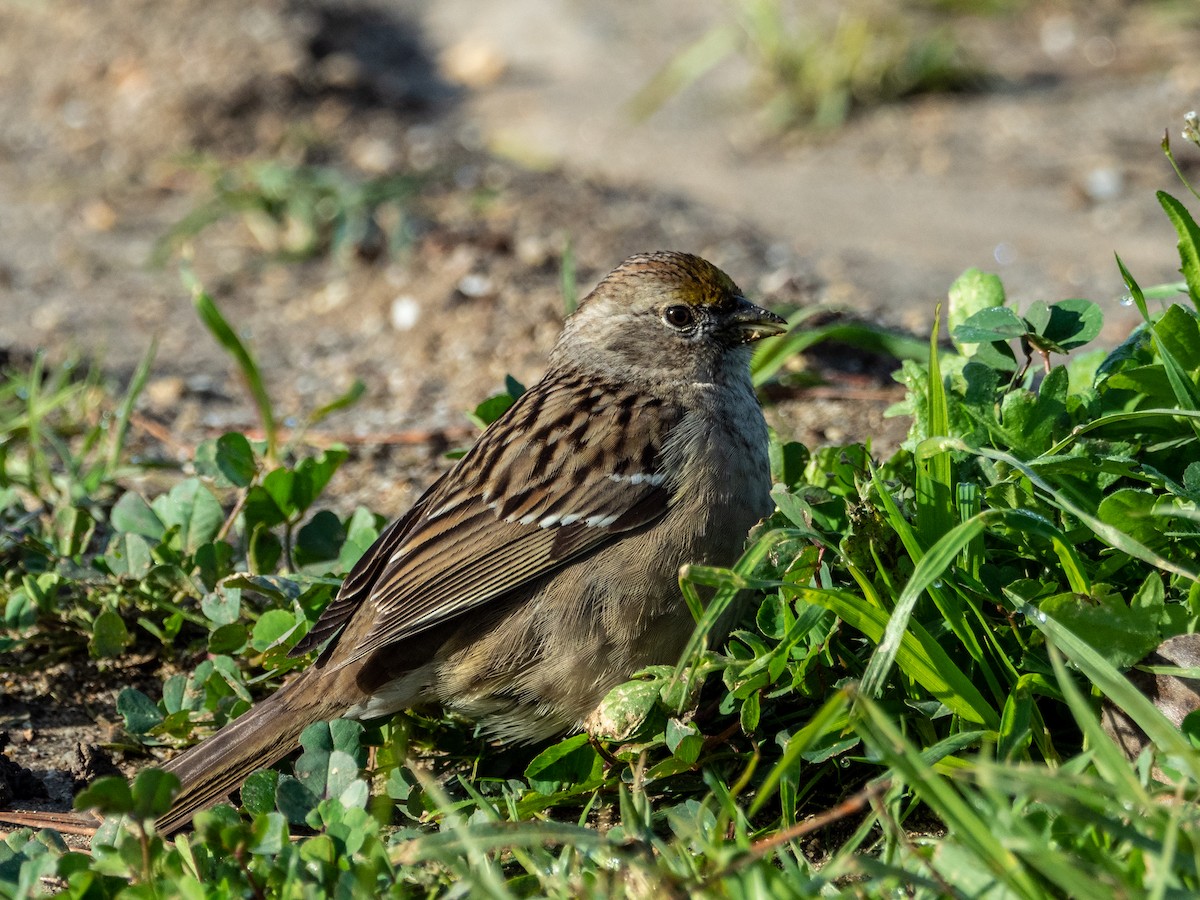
(542, 569)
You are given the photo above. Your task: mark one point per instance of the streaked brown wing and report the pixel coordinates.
(358, 583)
(536, 491)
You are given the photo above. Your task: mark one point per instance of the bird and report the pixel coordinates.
(541, 570)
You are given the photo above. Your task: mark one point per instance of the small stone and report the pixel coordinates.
(1104, 183)
(473, 62)
(99, 216)
(164, 393)
(339, 70)
(374, 155)
(404, 313)
(532, 251)
(475, 285)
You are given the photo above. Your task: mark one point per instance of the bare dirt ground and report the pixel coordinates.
(514, 118)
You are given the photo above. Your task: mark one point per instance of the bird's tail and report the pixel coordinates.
(263, 735)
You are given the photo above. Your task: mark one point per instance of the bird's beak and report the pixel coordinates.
(750, 323)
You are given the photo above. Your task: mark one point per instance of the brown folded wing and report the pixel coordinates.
(536, 491)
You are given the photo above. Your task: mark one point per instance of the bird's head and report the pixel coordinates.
(665, 317)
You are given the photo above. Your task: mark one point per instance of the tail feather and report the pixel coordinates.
(210, 771)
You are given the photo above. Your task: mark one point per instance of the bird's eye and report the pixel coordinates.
(678, 316)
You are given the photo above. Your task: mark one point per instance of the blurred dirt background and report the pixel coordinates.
(513, 123)
(510, 128)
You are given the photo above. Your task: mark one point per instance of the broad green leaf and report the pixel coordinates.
(258, 791)
(1035, 418)
(214, 561)
(1073, 323)
(572, 761)
(1132, 511)
(1149, 380)
(319, 540)
(997, 323)
(684, 740)
(1189, 242)
(152, 792)
(342, 771)
(294, 800)
(194, 510)
(362, 530)
(312, 768)
(129, 555)
(133, 515)
(918, 655)
(627, 710)
(1037, 316)
(260, 508)
(139, 711)
(1112, 535)
(235, 459)
(1178, 332)
(271, 628)
(229, 638)
(972, 292)
(223, 606)
(1121, 634)
(265, 551)
(110, 637)
(1116, 687)
(280, 485)
(109, 795)
(774, 616)
(312, 475)
(491, 409)
(20, 612)
(751, 712)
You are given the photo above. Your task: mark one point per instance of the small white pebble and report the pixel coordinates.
(1104, 183)
(405, 312)
(1058, 36)
(475, 285)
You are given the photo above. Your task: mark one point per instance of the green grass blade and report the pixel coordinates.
(1135, 290)
(228, 339)
(1110, 762)
(772, 355)
(918, 655)
(950, 607)
(734, 581)
(683, 69)
(120, 429)
(1117, 688)
(568, 284)
(935, 507)
(963, 821)
(1108, 533)
(931, 567)
(1189, 242)
(832, 714)
(353, 395)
